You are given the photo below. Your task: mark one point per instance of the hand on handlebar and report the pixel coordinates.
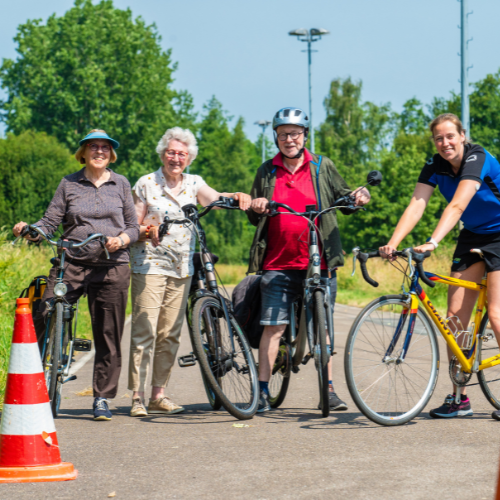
(388, 252)
(113, 244)
(361, 196)
(245, 200)
(259, 205)
(18, 228)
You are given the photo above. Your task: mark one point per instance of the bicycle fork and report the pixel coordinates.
(389, 358)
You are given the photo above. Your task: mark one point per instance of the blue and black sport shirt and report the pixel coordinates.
(482, 215)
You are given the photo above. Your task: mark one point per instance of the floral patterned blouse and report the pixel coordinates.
(174, 256)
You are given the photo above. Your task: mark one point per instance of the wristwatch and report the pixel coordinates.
(432, 241)
(123, 243)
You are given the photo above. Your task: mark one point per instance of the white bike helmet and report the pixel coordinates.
(291, 116)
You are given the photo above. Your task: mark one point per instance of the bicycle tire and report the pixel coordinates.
(239, 399)
(376, 324)
(213, 400)
(489, 379)
(52, 359)
(280, 377)
(321, 357)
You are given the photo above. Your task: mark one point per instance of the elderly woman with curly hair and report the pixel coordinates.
(162, 271)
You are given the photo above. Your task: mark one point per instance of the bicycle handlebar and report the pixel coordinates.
(344, 202)
(418, 258)
(191, 212)
(33, 231)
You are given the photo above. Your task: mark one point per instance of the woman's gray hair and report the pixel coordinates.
(179, 134)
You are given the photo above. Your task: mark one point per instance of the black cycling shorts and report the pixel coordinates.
(488, 243)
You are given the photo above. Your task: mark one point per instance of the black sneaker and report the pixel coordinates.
(449, 409)
(496, 415)
(101, 409)
(264, 404)
(336, 404)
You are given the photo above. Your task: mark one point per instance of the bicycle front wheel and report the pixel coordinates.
(225, 358)
(320, 350)
(385, 389)
(52, 359)
(489, 379)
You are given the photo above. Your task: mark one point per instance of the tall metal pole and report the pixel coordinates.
(311, 127)
(263, 146)
(464, 68)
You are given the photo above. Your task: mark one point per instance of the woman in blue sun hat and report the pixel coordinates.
(95, 200)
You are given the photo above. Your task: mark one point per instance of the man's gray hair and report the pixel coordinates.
(182, 135)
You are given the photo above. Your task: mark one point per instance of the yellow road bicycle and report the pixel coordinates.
(392, 355)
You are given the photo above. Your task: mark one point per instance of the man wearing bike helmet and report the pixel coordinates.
(298, 178)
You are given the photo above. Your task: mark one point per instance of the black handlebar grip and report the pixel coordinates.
(419, 260)
(363, 257)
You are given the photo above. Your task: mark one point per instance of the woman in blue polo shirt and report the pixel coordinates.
(469, 178)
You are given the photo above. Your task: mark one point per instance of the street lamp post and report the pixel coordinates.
(313, 35)
(264, 124)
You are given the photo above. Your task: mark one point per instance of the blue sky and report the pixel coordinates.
(240, 51)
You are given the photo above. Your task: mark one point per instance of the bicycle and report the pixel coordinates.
(226, 361)
(311, 311)
(59, 341)
(391, 375)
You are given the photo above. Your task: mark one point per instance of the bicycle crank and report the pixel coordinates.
(457, 375)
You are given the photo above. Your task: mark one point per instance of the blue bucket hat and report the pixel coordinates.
(100, 135)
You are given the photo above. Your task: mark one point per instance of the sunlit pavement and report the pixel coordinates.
(287, 453)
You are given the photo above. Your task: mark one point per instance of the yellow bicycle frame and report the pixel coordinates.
(467, 362)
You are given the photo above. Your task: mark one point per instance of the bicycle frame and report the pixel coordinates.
(468, 359)
(313, 282)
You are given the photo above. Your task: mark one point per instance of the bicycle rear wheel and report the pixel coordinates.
(52, 359)
(225, 358)
(321, 357)
(386, 390)
(280, 376)
(489, 379)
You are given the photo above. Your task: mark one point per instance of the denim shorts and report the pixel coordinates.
(280, 288)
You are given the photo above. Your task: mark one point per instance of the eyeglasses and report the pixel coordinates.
(171, 154)
(294, 135)
(95, 147)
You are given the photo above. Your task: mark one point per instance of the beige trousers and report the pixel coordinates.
(158, 307)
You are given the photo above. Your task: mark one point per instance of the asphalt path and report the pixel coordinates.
(288, 453)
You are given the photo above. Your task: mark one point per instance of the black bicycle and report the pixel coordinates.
(60, 340)
(311, 315)
(226, 361)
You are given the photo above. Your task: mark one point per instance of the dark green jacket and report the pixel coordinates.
(331, 187)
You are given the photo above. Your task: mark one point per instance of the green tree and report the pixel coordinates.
(94, 67)
(32, 165)
(227, 161)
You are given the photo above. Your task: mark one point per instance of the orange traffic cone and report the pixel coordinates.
(29, 451)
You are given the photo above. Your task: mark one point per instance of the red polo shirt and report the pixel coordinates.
(287, 235)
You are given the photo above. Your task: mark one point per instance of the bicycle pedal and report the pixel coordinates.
(188, 360)
(82, 345)
(306, 359)
(295, 369)
(69, 379)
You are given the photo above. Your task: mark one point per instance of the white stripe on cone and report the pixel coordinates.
(27, 420)
(25, 359)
